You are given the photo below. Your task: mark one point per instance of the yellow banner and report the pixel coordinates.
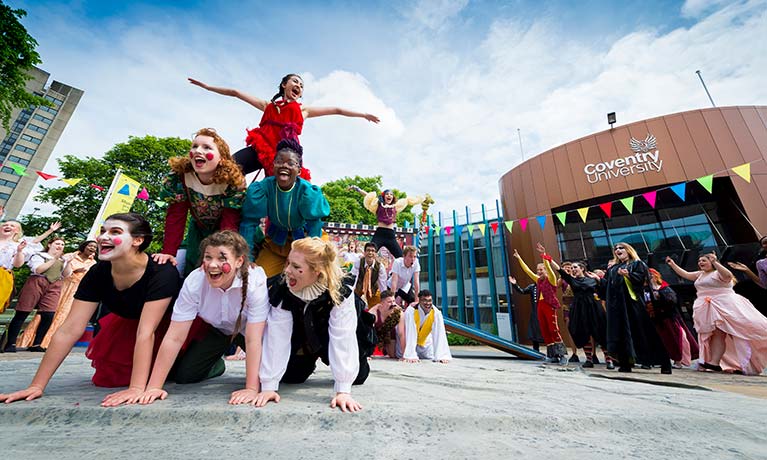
(120, 198)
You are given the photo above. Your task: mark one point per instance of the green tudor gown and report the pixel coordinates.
(212, 207)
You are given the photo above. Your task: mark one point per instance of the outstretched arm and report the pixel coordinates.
(355, 188)
(310, 112)
(256, 102)
(751, 275)
(681, 272)
(54, 226)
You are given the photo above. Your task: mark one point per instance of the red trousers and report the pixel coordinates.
(547, 318)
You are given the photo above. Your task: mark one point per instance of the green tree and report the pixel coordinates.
(346, 205)
(17, 57)
(144, 159)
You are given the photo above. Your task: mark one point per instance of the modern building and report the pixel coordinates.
(587, 178)
(32, 138)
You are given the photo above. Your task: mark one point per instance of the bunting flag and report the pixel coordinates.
(679, 189)
(448, 229)
(583, 212)
(481, 228)
(144, 195)
(509, 224)
(18, 169)
(98, 187)
(160, 203)
(743, 171)
(541, 221)
(437, 228)
(562, 216)
(71, 182)
(45, 176)
(628, 203)
(651, 197)
(707, 182)
(523, 224)
(607, 208)
(470, 228)
(494, 226)
(458, 230)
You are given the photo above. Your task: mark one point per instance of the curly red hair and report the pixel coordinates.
(227, 171)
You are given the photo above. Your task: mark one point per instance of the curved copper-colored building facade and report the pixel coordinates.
(604, 167)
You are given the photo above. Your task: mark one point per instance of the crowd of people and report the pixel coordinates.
(255, 275)
(634, 315)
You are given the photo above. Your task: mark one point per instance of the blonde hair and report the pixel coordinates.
(321, 256)
(20, 234)
(632, 253)
(408, 249)
(227, 171)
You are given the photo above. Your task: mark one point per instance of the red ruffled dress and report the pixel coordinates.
(281, 120)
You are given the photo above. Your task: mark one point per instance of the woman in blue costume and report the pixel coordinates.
(294, 206)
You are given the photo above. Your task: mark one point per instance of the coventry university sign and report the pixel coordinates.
(645, 158)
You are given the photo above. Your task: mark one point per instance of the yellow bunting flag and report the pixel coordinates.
(743, 171)
(481, 228)
(71, 181)
(583, 212)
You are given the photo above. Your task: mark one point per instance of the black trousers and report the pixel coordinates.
(248, 160)
(203, 356)
(387, 238)
(300, 367)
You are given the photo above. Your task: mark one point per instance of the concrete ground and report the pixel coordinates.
(483, 404)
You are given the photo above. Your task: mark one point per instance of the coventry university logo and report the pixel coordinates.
(646, 158)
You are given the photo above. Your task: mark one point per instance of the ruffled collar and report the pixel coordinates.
(310, 292)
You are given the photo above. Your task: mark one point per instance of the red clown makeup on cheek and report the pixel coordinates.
(191, 155)
(117, 241)
(226, 268)
(209, 156)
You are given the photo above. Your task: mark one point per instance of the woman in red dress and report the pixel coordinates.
(137, 293)
(283, 119)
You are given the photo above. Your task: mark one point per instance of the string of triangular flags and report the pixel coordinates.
(680, 189)
(21, 170)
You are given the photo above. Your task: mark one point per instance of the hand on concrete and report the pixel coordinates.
(129, 396)
(266, 396)
(444, 361)
(345, 402)
(27, 395)
(151, 395)
(163, 258)
(245, 396)
(408, 360)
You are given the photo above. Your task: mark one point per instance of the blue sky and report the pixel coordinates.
(452, 80)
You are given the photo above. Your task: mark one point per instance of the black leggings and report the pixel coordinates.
(14, 328)
(248, 160)
(300, 367)
(387, 238)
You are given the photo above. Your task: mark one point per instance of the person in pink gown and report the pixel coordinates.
(732, 334)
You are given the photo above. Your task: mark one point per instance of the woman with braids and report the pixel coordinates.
(283, 119)
(313, 315)
(210, 187)
(136, 291)
(294, 207)
(224, 301)
(389, 325)
(386, 207)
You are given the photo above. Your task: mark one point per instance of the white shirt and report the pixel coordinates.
(39, 258)
(343, 352)
(435, 348)
(220, 308)
(405, 274)
(361, 266)
(8, 252)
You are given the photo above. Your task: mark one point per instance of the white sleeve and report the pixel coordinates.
(31, 248)
(381, 279)
(343, 351)
(258, 296)
(275, 353)
(411, 335)
(356, 268)
(35, 261)
(187, 304)
(439, 338)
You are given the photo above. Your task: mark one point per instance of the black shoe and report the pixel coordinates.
(711, 367)
(9, 349)
(594, 359)
(574, 358)
(610, 365)
(665, 370)
(36, 349)
(624, 369)
(587, 364)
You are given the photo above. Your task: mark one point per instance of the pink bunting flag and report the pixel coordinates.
(143, 194)
(448, 230)
(650, 197)
(607, 208)
(523, 224)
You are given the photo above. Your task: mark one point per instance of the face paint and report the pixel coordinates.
(226, 268)
(209, 156)
(191, 155)
(117, 241)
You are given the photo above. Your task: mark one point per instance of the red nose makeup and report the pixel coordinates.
(117, 241)
(209, 156)
(226, 268)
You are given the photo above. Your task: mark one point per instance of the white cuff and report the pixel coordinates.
(270, 385)
(342, 387)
